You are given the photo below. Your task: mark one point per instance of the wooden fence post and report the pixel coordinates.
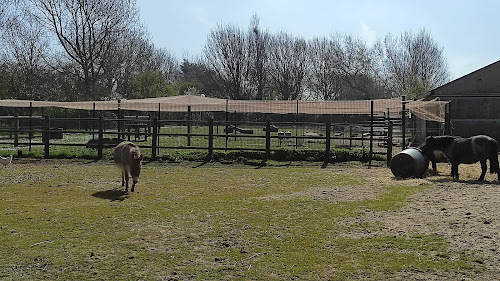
(159, 127)
(16, 131)
(92, 122)
(154, 141)
(119, 125)
(100, 137)
(297, 126)
(389, 143)
(30, 134)
(189, 126)
(350, 136)
(328, 140)
(210, 137)
(371, 133)
(46, 137)
(403, 122)
(227, 120)
(268, 138)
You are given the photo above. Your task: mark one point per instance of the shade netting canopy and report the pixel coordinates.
(428, 110)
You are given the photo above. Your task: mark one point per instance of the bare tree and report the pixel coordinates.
(414, 61)
(356, 69)
(226, 54)
(258, 45)
(126, 60)
(166, 64)
(288, 66)
(325, 81)
(140, 61)
(27, 47)
(87, 31)
(345, 67)
(7, 13)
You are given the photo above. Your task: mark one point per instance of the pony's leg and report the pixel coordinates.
(483, 170)
(126, 179)
(133, 184)
(432, 159)
(123, 177)
(498, 172)
(454, 171)
(494, 165)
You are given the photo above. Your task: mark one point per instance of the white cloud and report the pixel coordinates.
(203, 17)
(369, 34)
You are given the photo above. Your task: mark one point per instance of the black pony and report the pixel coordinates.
(464, 150)
(433, 157)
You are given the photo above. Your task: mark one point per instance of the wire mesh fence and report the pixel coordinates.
(53, 136)
(375, 128)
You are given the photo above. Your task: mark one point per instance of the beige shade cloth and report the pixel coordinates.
(433, 110)
(428, 110)
(86, 105)
(175, 104)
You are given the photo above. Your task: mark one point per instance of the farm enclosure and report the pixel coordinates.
(160, 137)
(238, 222)
(196, 123)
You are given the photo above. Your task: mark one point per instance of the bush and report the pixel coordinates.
(336, 156)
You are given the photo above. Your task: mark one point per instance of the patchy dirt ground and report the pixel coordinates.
(465, 211)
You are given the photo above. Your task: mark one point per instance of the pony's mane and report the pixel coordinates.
(446, 139)
(442, 141)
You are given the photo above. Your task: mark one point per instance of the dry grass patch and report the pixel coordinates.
(68, 220)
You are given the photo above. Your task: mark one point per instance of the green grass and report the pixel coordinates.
(66, 220)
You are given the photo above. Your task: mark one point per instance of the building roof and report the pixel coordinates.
(482, 82)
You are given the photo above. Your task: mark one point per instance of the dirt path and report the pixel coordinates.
(466, 212)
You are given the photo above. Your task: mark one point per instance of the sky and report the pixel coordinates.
(466, 30)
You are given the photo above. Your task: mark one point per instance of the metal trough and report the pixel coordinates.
(409, 163)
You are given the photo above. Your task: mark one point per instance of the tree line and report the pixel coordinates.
(70, 50)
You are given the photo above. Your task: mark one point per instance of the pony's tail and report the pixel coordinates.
(494, 167)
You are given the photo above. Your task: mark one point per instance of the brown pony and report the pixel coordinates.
(129, 158)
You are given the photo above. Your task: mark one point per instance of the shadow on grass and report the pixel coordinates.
(205, 161)
(436, 177)
(257, 164)
(112, 195)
